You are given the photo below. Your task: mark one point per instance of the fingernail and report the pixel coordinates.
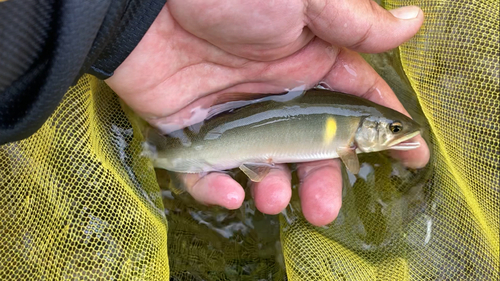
(406, 13)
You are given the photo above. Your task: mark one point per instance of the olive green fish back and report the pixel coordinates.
(78, 202)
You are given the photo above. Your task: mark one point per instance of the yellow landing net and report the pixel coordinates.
(77, 201)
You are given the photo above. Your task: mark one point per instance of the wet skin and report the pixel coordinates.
(197, 53)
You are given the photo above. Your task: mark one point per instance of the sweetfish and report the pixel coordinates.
(319, 124)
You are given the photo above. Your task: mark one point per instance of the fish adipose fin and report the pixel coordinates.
(350, 159)
(256, 171)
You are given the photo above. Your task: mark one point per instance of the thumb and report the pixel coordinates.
(362, 25)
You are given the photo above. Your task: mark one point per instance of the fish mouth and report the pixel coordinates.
(403, 144)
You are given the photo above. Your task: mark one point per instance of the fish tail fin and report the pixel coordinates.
(153, 142)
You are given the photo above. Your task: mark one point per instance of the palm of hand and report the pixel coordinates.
(197, 52)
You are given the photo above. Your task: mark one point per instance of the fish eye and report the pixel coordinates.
(396, 127)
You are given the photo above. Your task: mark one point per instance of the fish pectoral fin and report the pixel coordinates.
(256, 171)
(350, 159)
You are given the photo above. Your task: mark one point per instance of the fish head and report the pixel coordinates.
(377, 133)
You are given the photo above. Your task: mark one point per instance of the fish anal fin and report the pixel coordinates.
(256, 171)
(350, 158)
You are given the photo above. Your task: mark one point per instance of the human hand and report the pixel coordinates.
(197, 53)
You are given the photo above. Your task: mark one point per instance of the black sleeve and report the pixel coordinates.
(47, 45)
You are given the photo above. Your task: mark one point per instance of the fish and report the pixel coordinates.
(317, 125)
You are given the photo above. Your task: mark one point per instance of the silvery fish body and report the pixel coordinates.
(317, 125)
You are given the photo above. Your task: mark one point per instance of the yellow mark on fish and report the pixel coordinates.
(330, 130)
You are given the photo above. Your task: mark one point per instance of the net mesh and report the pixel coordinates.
(448, 228)
(77, 201)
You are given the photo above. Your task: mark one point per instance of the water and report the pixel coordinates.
(383, 206)
(212, 243)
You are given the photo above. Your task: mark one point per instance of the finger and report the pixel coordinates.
(215, 189)
(273, 193)
(362, 25)
(352, 74)
(320, 191)
(416, 158)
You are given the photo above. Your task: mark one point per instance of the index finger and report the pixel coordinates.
(352, 74)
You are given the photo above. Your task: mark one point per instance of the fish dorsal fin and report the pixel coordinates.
(256, 171)
(350, 158)
(238, 100)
